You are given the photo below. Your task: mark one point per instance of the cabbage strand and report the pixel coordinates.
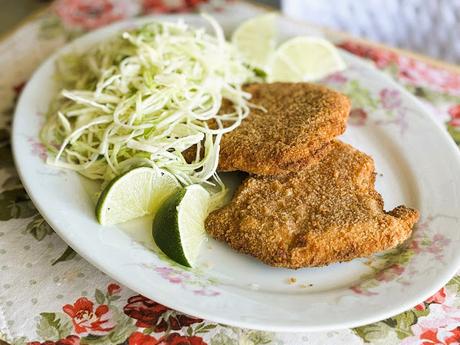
(143, 98)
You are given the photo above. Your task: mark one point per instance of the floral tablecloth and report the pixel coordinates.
(49, 295)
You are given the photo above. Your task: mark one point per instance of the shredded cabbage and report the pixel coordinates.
(145, 97)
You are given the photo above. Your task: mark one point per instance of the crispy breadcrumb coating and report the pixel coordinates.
(300, 121)
(329, 212)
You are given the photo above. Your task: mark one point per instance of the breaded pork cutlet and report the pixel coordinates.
(300, 121)
(327, 213)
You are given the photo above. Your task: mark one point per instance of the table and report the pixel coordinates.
(49, 295)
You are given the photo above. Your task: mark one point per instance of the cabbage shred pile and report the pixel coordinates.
(145, 97)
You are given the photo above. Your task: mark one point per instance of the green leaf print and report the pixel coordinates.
(68, 254)
(372, 332)
(435, 97)
(6, 158)
(455, 133)
(223, 339)
(420, 313)
(4, 136)
(360, 96)
(125, 327)
(404, 321)
(12, 182)
(455, 283)
(113, 298)
(14, 341)
(259, 337)
(15, 203)
(238, 336)
(393, 70)
(400, 255)
(39, 228)
(50, 27)
(401, 324)
(203, 328)
(53, 326)
(99, 296)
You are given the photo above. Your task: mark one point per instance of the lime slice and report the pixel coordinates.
(304, 59)
(255, 39)
(178, 227)
(137, 193)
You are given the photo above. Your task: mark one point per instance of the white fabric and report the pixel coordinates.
(431, 27)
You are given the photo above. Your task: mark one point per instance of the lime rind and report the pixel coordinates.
(165, 229)
(134, 194)
(178, 226)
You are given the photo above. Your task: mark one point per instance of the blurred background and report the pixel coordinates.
(430, 27)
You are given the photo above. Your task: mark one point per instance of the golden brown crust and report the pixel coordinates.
(301, 119)
(327, 213)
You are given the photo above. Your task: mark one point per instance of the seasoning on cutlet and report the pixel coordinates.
(327, 213)
(299, 122)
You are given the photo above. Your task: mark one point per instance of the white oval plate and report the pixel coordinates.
(418, 166)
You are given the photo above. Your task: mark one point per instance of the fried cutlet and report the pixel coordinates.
(327, 213)
(299, 121)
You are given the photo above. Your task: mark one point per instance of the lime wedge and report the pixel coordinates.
(255, 39)
(304, 59)
(178, 226)
(136, 193)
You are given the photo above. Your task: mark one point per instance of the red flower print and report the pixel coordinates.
(429, 335)
(454, 337)
(390, 98)
(138, 338)
(382, 58)
(90, 14)
(440, 337)
(360, 291)
(420, 73)
(433, 336)
(161, 6)
(177, 339)
(70, 340)
(420, 306)
(149, 314)
(336, 78)
(439, 297)
(86, 320)
(454, 113)
(113, 289)
(390, 272)
(38, 149)
(357, 117)
(410, 70)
